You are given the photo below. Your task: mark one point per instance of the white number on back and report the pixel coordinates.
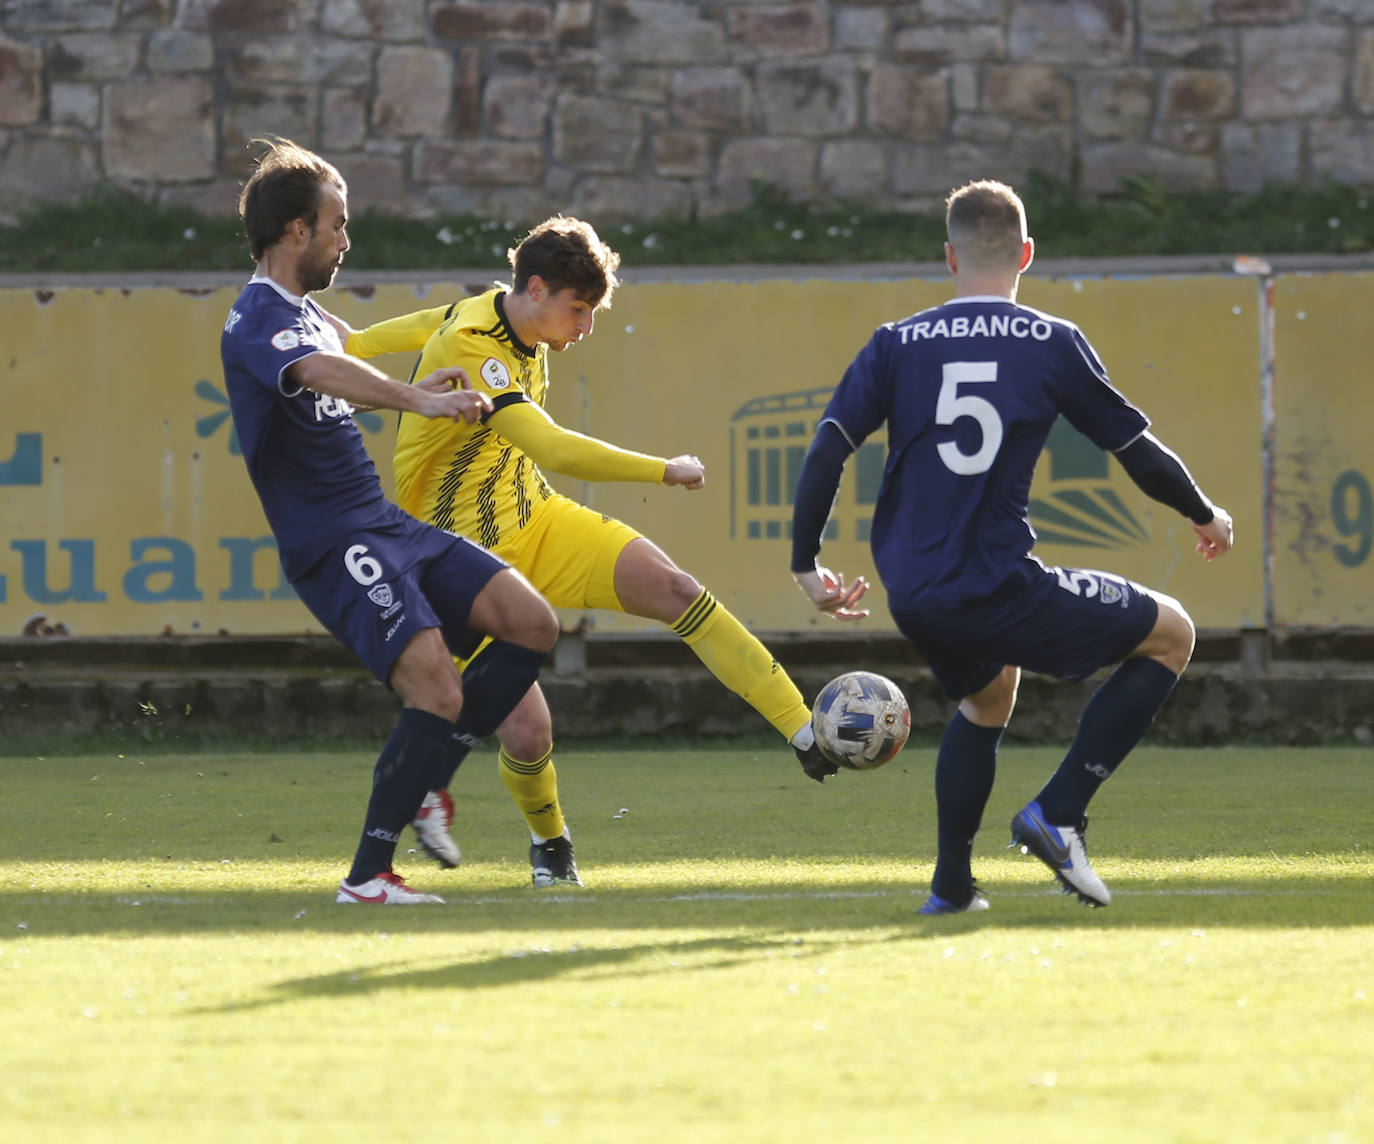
(951, 406)
(362, 567)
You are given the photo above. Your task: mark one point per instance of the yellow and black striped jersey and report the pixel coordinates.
(468, 478)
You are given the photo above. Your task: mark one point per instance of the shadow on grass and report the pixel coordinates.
(528, 966)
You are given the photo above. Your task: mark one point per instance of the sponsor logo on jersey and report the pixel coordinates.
(232, 321)
(380, 594)
(286, 339)
(391, 631)
(331, 408)
(495, 374)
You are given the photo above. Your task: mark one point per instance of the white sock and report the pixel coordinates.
(539, 841)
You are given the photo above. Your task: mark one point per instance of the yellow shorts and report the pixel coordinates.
(569, 552)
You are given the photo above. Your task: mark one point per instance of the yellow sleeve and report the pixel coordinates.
(408, 333)
(551, 447)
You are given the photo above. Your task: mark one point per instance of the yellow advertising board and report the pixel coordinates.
(1323, 512)
(128, 510)
(126, 505)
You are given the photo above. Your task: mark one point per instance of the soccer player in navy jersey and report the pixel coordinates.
(403, 595)
(969, 391)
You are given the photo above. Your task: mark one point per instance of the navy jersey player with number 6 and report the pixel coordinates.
(403, 595)
(969, 391)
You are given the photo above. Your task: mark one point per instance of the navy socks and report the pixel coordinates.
(964, 773)
(1114, 721)
(417, 745)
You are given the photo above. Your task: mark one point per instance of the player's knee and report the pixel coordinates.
(1174, 636)
(449, 705)
(424, 676)
(527, 733)
(681, 588)
(510, 609)
(443, 698)
(536, 627)
(993, 705)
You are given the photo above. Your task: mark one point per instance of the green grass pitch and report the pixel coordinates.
(746, 962)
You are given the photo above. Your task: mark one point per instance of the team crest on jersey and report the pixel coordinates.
(1111, 594)
(380, 594)
(286, 339)
(495, 374)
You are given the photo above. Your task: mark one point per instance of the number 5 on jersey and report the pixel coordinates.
(951, 405)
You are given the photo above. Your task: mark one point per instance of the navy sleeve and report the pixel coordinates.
(862, 400)
(817, 484)
(273, 340)
(1094, 406)
(1161, 475)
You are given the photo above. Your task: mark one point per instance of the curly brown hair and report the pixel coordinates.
(567, 254)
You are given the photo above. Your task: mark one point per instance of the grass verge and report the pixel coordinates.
(119, 232)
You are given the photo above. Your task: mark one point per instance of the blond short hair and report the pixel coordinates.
(985, 222)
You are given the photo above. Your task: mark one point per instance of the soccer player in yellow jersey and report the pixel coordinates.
(487, 482)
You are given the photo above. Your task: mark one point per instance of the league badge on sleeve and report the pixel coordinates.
(495, 374)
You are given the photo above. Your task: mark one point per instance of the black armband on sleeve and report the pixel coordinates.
(1160, 474)
(816, 487)
(502, 402)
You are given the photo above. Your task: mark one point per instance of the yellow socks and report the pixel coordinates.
(534, 786)
(744, 665)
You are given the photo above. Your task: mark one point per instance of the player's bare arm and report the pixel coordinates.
(338, 375)
(831, 595)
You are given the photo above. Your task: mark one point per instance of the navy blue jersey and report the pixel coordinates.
(316, 480)
(969, 391)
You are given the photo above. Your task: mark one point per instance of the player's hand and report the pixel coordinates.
(449, 393)
(831, 594)
(444, 380)
(1214, 537)
(686, 471)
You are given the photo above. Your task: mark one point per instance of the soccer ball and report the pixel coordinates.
(861, 720)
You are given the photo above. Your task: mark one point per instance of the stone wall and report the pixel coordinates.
(642, 108)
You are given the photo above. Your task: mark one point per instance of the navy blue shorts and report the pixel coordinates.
(1066, 622)
(377, 589)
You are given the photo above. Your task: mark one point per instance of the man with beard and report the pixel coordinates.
(404, 596)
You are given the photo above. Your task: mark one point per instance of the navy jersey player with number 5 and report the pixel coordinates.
(969, 391)
(403, 595)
